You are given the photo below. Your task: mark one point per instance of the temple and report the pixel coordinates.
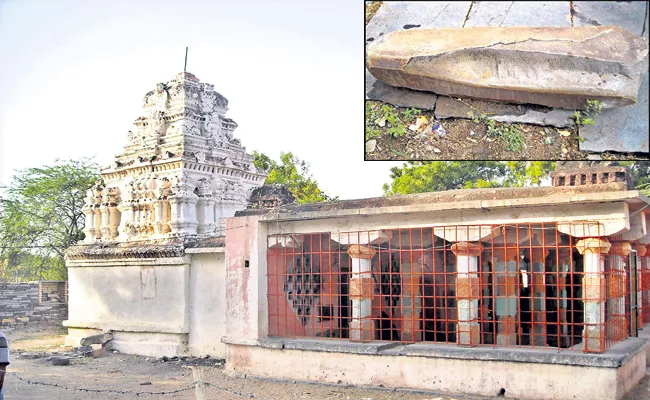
(535, 292)
(181, 171)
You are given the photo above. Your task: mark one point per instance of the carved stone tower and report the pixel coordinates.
(181, 171)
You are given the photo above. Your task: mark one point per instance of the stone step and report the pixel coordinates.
(551, 66)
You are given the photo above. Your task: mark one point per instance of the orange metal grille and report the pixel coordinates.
(497, 285)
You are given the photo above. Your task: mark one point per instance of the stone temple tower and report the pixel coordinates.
(181, 171)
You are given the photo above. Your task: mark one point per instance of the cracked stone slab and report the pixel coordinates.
(518, 13)
(551, 66)
(447, 107)
(399, 15)
(622, 129)
(629, 15)
(402, 97)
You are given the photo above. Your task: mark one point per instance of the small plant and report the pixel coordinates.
(511, 135)
(395, 126)
(409, 113)
(590, 114)
(371, 130)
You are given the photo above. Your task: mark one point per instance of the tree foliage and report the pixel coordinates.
(641, 172)
(294, 173)
(428, 176)
(41, 217)
(423, 176)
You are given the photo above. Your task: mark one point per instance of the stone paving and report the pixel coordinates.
(622, 129)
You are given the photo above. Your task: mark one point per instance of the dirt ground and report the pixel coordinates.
(128, 375)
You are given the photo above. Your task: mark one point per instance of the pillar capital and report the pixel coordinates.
(593, 246)
(466, 249)
(361, 251)
(620, 248)
(641, 249)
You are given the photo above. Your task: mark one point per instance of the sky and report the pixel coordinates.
(73, 75)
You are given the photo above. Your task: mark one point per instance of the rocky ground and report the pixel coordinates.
(121, 376)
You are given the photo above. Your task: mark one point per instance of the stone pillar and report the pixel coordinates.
(183, 207)
(537, 283)
(594, 292)
(564, 268)
(411, 299)
(361, 292)
(468, 292)
(617, 328)
(126, 221)
(641, 252)
(158, 216)
(89, 214)
(645, 286)
(507, 297)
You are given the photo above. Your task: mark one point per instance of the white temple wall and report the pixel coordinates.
(207, 305)
(154, 307)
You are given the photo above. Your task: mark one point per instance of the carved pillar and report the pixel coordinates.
(183, 207)
(617, 328)
(468, 292)
(125, 207)
(89, 213)
(361, 292)
(126, 221)
(205, 208)
(157, 216)
(594, 285)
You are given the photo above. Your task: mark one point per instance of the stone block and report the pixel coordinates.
(622, 129)
(446, 107)
(400, 97)
(551, 66)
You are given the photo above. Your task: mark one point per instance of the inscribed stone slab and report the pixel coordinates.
(539, 13)
(395, 16)
(552, 66)
(622, 129)
(629, 15)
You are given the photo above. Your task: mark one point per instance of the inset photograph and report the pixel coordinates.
(510, 80)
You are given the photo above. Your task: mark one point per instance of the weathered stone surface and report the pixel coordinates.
(518, 13)
(399, 15)
(370, 82)
(402, 97)
(556, 67)
(622, 129)
(629, 15)
(538, 13)
(447, 107)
